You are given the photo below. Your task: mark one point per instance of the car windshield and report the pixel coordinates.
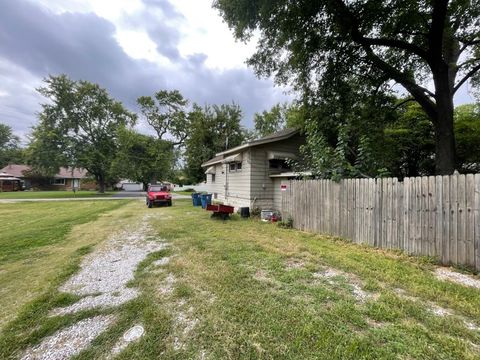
(158, 188)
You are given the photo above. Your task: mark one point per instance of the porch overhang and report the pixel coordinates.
(211, 170)
(233, 158)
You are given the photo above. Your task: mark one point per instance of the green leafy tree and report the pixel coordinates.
(279, 117)
(165, 112)
(408, 148)
(78, 127)
(213, 129)
(143, 158)
(10, 150)
(315, 44)
(268, 122)
(467, 130)
(345, 131)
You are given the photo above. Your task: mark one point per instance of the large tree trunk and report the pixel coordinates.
(443, 123)
(444, 143)
(101, 184)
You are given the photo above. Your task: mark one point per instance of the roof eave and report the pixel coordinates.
(256, 143)
(210, 163)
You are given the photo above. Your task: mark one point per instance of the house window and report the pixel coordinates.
(279, 164)
(213, 178)
(58, 181)
(235, 166)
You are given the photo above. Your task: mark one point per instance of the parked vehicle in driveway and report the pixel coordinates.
(158, 195)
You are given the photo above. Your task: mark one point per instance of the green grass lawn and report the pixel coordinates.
(243, 289)
(50, 194)
(38, 241)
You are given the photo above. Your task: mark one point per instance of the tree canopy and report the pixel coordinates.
(10, 150)
(280, 116)
(143, 158)
(212, 129)
(165, 112)
(78, 127)
(319, 45)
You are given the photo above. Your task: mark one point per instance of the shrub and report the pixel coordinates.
(286, 224)
(255, 212)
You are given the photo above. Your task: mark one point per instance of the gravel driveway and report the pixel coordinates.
(101, 283)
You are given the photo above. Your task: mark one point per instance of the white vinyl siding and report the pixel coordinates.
(251, 185)
(262, 186)
(238, 182)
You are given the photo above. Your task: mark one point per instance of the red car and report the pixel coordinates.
(158, 194)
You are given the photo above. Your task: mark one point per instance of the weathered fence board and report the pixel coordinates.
(433, 216)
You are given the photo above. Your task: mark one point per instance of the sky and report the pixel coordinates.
(130, 47)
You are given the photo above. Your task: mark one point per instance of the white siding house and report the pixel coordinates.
(248, 175)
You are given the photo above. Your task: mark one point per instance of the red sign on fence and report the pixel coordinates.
(283, 187)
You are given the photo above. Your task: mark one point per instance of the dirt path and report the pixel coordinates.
(101, 283)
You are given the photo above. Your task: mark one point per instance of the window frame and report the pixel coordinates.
(55, 182)
(233, 166)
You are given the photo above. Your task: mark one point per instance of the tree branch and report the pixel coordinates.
(466, 77)
(399, 44)
(401, 103)
(466, 44)
(470, 61)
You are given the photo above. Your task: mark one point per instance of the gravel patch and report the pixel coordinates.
(102, 281)
(329, 274)
(131, 335)
(332, 276)
(447, 274)
(101, 301)
(69, 341)
(104, 274)
(437, 310)
(291, 264)
(161, 262)
(184, 325)
(166, 288)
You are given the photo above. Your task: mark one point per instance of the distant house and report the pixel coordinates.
(130, 185)
(9, 183)
(250, 175)
(66, 179)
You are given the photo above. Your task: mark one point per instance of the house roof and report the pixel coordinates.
(18, 170)
(215, 160)
(15, 170)
(7, 176)
(277, 136)
(68, 174)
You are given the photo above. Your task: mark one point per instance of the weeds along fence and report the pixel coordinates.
(435, 216)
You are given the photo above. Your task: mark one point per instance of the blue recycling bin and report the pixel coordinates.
(196, 199)
(206, 200)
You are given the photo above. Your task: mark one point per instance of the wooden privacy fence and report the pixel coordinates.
(435, 216)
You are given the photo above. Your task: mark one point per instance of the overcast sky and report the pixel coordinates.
(130, 47)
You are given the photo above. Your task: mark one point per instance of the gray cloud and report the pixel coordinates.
(35, 43)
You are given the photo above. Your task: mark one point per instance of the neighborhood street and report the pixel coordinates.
(123, 195)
